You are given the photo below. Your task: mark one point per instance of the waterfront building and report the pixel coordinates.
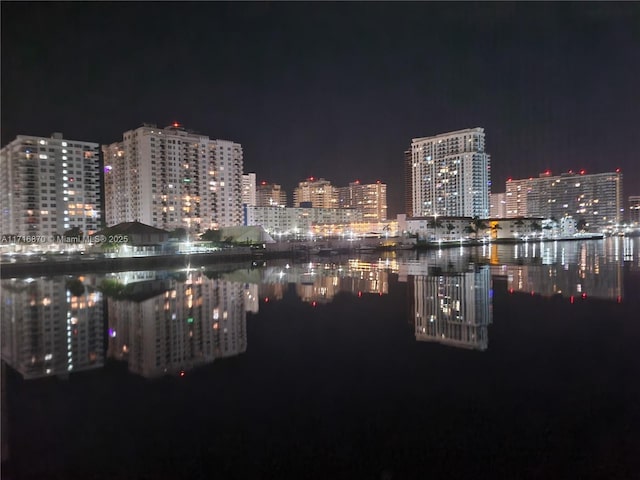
(249, 189)
(315, 192)
(270, 195)
(49, 186)
(370, 199)
(173, 178)
(300, 222)
(593, 199)
(450, 175)
(634, 209)
(498, 205)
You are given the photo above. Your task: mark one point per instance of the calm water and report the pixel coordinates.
(502, 362)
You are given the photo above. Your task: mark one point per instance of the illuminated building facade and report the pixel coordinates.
(596, 199)
(450, 175)
(498, 205)
(270, 195)
(49, 185)
(278, 221)
(172, 178)
(249, 189)
(370, 199)
(634, 209)
(46, 330)
(316, 191)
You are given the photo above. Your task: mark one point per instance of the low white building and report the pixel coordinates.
(298, 222)
(462, 228)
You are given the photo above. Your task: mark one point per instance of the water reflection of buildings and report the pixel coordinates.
(569, 269)
(450, 305)
(46, 330)
(320, 282)
(191, 321)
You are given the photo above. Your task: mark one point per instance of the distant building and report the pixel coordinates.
(318, 191)
(595, 198)
(270, 195)
(49, 186)
(298, 221)
(370, 199)
(498, 205)
(249, 189)
(450, 174)
(634, 209)
(173, 178)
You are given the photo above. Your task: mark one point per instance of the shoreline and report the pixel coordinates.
(76, 265)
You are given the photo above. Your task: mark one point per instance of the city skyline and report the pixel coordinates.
(335, 90)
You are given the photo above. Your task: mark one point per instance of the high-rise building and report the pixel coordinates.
(49, 186)
(316, 191)
(595, 199)
(370, 199)
(498, 205)
(173, 178)
(249, 189)
(270, 195)
(451, 174)
(408, 183)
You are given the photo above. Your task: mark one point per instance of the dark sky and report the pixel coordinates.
(336, 89)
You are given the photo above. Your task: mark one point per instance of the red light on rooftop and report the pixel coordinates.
(176, 124)
(582, 172)
(311, 178)
(357, 182)
(509, 179)
(617, 170)
(263, 183)
(570, 171)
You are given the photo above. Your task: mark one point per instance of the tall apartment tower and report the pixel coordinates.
(49, 185)
(370, 199)
(317, 191)
(408, 183)
(270, 195)
(595, 198)
(173, 178)
(249, 189)
(450, 174)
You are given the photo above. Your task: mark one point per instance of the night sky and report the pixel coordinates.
(336, 90)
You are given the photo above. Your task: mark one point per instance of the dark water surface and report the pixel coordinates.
(509, 362)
